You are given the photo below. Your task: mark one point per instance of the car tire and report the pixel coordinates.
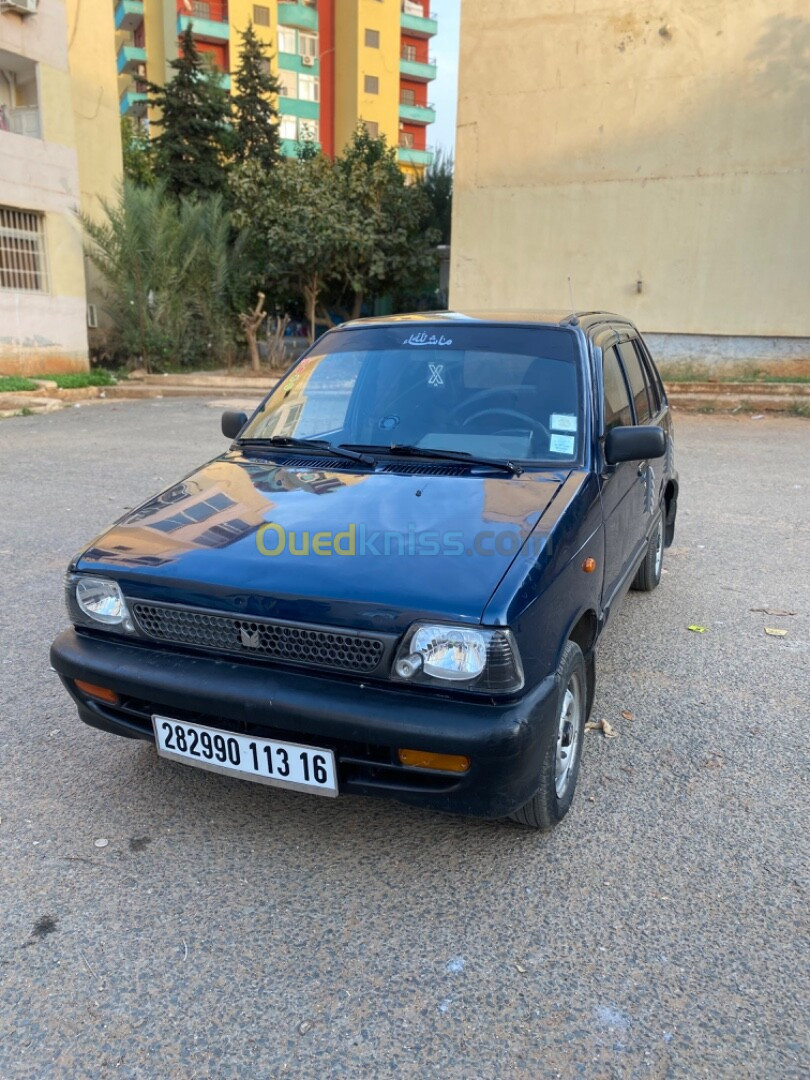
(563, 750)
(649, 573)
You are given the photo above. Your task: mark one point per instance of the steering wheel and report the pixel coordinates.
(495, 410)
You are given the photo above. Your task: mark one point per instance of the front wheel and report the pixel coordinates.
(563, 750)
(649, 573)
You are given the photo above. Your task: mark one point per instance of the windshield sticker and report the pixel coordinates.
(561, 444)
(436, 377)
(563, 422)
(427, 339)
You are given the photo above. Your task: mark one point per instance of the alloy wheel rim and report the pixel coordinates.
(568, 735)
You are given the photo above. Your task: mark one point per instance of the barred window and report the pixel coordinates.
(261, 15)
(23, 265)
(372, 84)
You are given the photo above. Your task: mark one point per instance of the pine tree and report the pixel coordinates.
(255, 131)
(192, 149)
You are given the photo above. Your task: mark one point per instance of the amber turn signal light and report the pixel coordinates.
(589, 565)
(423, 759)
(100, 692)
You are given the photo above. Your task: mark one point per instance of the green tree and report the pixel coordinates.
(139, 165)
(438, 186)
(297, 218)
(255, 129)
(388, 244)
(173, 274)
(194, 144)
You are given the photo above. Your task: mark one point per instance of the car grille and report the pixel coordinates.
(260, 638)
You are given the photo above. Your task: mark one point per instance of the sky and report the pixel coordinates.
(444, 91)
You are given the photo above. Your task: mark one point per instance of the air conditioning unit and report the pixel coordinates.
(308, 61)
(141, 71)
(22, 7)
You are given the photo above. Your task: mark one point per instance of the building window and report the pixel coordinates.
(261, 15)
(23, 266)
(371, 84)
(286, 40)
(288, 83)
(408, 52)
(406, 140)
(308, 129)
(372, 128)
(288, 128)
(373, 39)
(407, 97)
(308, 45)
(308, 87)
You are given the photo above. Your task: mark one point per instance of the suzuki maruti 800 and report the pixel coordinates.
(393, 581)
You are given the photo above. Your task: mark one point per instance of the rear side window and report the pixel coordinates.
(638, 382)
(617, 400)
(653, 376)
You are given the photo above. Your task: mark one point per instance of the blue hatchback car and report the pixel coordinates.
(393, 581)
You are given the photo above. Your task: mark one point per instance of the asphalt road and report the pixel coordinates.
(227, 929)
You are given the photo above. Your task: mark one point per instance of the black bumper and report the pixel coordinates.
(363, 724)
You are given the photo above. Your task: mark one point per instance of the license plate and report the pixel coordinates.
(266, 761)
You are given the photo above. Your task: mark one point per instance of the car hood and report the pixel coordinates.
(326, 544)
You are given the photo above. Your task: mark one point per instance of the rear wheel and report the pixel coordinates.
(563, 751)
(649, 573)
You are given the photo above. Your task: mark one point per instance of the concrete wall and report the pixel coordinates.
(47, 331)
(655, 154)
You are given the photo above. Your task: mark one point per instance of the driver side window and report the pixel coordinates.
(617, 410)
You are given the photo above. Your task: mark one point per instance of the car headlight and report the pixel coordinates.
(97, 601)
(485, 661)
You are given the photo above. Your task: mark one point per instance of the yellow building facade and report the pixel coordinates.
(60, 148)
(340, 63)
(657, 157)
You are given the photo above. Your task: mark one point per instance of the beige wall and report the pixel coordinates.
(47, 331)
(621, 140)
(77, 160)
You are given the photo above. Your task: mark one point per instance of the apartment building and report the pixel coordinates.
(60, 149)
(339, 62)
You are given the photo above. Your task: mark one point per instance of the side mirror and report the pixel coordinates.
(634, 444)
(233, 422)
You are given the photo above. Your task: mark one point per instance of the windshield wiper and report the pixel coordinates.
(404, 450)
(288, 442)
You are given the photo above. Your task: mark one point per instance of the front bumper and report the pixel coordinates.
(364, 724)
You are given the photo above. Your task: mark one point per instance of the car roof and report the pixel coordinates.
(582, 319)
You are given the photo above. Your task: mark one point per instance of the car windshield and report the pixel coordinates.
(490, 391)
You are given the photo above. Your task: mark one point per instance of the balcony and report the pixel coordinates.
(128, 15)
(417, 114)
(414, 21)
(19, 97)
(306, 110)
(130, 58)
(302, 15)
(133, 103)
(24, 121)
(420, 159)
(301, 64)
(207, 18)
(418, 70)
